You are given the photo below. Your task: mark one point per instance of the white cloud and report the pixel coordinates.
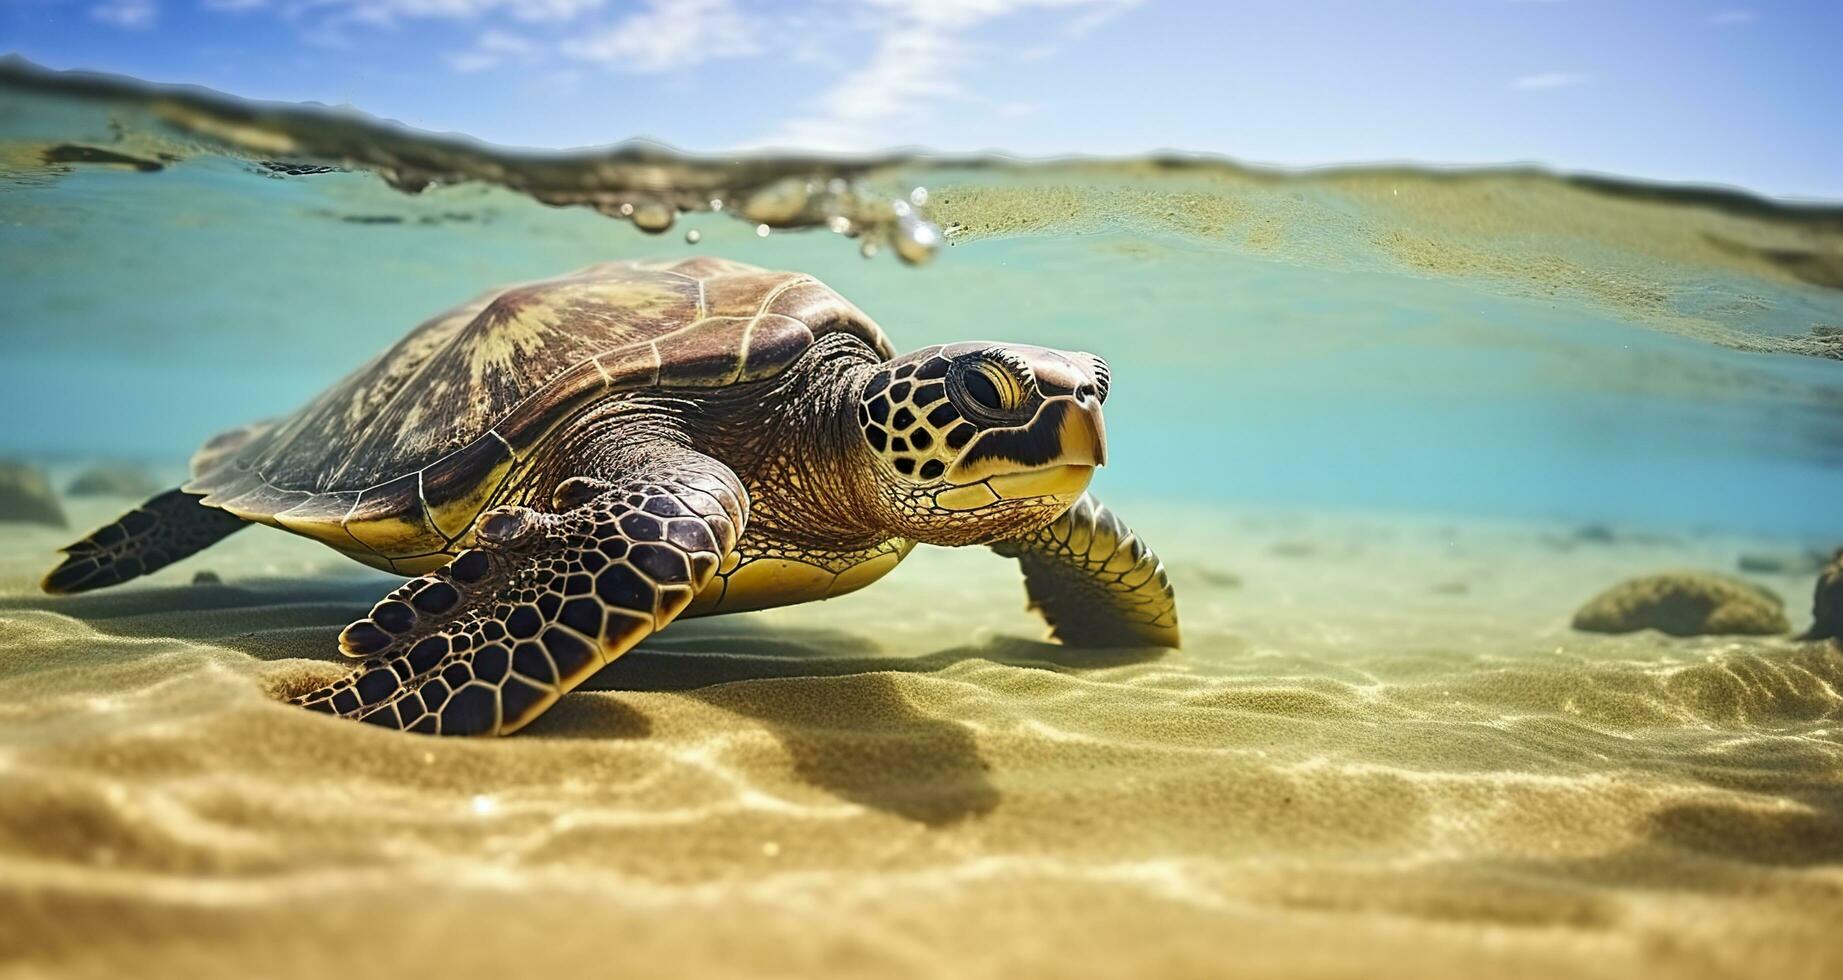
(920, 51)
(1732, 18)
(669, 34)
(658, 36)
(505, 43)
(490, 50)
(468, 62)
(329, 23)
(393, 11)
(130, 14)
(565, 83)
(888, 62)
(1543, 81)
(1093, 20)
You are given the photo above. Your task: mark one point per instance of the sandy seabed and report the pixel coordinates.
(1381, 752)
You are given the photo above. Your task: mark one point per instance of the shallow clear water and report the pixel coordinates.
(1387, 427)
(1301, 340)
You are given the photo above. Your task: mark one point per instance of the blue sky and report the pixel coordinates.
(1712, 92)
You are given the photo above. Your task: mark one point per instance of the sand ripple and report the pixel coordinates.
(860, 788)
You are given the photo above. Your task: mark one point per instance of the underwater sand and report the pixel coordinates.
(1381, 751)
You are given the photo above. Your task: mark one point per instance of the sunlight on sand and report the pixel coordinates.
(1338, 766)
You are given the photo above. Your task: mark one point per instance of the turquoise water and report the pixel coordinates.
(146, 310)
(1369, 419)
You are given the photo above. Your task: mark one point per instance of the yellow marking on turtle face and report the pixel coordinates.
(1050, 481)
(966, 498)
(1080, 434)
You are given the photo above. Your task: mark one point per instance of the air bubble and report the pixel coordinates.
(916, 239)
(647, 186)
(761, 231)
(654, 216)
(780, 203)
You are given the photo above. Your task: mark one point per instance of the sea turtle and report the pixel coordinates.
(568, 465)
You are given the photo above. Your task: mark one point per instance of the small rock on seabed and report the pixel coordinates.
(113, 480)
(1685, 604)
(1827, 602)
(26, 497)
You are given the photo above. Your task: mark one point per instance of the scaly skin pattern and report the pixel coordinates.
(815, 530)
(1095, 581)
(150, 537)
(650, 504)
(485, 644)
(816, 527)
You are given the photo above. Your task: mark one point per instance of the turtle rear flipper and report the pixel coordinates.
(1095, 581)
(487, 643)
(150, 537)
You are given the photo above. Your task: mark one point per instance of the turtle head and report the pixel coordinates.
(978, 442)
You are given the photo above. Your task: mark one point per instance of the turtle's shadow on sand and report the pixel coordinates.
(856, 734)
(838, 706)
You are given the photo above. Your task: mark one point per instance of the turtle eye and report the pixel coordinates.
(983, 392)
(989, 390)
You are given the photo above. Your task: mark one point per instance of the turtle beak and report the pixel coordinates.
(1082, 379)
(1084, 434)
(1067, 432)
(1079, 378)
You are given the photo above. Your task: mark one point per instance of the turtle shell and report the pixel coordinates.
(393, 464)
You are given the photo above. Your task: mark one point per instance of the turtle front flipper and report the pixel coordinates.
(487, 643)
(1095, 581)
(171, 526)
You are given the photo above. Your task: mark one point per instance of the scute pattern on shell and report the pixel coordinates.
(452, 407)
